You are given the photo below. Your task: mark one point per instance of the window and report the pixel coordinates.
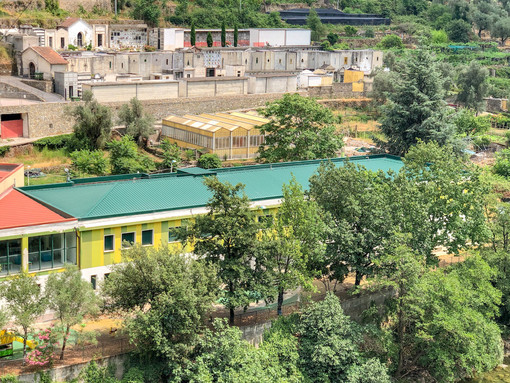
(279, 61)
(62, 42)
(109, 242)
(166, 61)
(128, 239)
(106, 276)
(172, 233)
(51, 251)
(10, 256)
(345, 60)
(79, 39)
(50, 42)
(93, 281)
(147, 237)
(266, 220)
(257, 60)
(110, 65)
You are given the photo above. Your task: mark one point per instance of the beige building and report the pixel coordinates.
(42, 63)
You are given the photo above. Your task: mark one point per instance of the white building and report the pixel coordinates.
(279, 37)
(79, 32)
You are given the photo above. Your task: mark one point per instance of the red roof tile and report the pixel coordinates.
(50, 55)
(18, 210)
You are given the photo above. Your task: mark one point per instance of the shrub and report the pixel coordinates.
(458, 31)
(502, 165)
(481, 142)
(469, 124)
(71, 47)
(9, 379)
(332, 38)
(350, 30)
(369, 33)
(125, 158)
(209, 161)
(391, 41)
(54, 142)
(4, 150)
(90, 162)
(439, 37)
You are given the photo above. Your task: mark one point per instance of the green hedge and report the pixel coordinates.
(4, 150)
(54, 142)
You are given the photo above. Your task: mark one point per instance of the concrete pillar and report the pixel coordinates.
(24, 253)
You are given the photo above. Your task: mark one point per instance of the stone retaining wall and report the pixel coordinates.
(44, 85)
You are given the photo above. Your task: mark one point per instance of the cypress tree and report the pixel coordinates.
(223, 35)
(209, 40)
(236, 35)
(193, 34)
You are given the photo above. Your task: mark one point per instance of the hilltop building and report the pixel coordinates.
(298, 16)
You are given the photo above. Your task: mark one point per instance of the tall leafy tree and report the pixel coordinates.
(291, 249)
(171, 155)
(416, 109)
(93, 123)
(236, 35)
(300, 129)
(458, 31)
(72, 298)
(472, 81)
(139, 125)
(209, 39)
(24, 302)
(501, 29)
(358, 210)
(314, 23)
(148, 11)
(485, 14)
(226, 236)
(125, 158)
(164, 296)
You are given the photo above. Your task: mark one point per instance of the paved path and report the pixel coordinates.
(43, 96)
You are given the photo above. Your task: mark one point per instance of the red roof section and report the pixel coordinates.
(19, 210)
(50, 55)
(68, 22)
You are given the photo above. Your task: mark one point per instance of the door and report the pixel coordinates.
(100, 40)
(11, 126)
(71, 91)
(31, 68)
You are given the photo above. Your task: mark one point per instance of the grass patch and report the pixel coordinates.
(41, 158)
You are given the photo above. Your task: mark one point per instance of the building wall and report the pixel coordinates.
(80, 27)
(17, 179)
(128, 36)
(125, 91)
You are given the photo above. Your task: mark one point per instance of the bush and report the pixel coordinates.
(125, 158)
(469, 124)
(332, 38)
(90, 162)
(439, 37)
(369, 33)
(209, 161)
(54, 142)
(4, 150)
(9, 379)
(482, 142)
(502, 165)
(391, 41)
(350, 30)
(458, 31)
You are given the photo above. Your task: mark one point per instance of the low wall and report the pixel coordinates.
(336, 90)
(68, 373)
(44, 85)
(8, 91)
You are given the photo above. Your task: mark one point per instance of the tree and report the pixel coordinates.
(357, 217)
(72, 298)
(125, 159)
(24, 302)
(226, 237)
(51, 6)
(148, 11)
(391, 41)
(171, 155)
(209, 39)
(501, 29)
(314, 23)
(472, 81)
(93, 123)
(458, 31)
(439, 37)
(209, 161)
(372, 371)
(223, 35)
(164, 296)
(327, 345)
(416, 110)
(290, 248)
(139, 125)
(223, 356)
(236, 35)
(193, 34)
(485, 14)
(502, 165)
(300, 129)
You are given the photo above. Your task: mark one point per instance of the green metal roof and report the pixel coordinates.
(103, 197)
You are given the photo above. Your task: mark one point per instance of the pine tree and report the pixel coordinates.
(193, 34)
(236, 35)
(209, 39)
(223, 35)
(416, 109)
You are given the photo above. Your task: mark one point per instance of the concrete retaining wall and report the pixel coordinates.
(68, 373)
(44, 85)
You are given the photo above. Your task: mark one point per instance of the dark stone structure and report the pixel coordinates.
(298, 16)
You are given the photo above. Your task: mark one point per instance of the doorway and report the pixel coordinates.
(31, 69)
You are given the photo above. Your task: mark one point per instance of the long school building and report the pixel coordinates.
(88, 221)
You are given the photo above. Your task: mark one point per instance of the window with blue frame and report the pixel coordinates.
(51, 251)
(10, 257)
